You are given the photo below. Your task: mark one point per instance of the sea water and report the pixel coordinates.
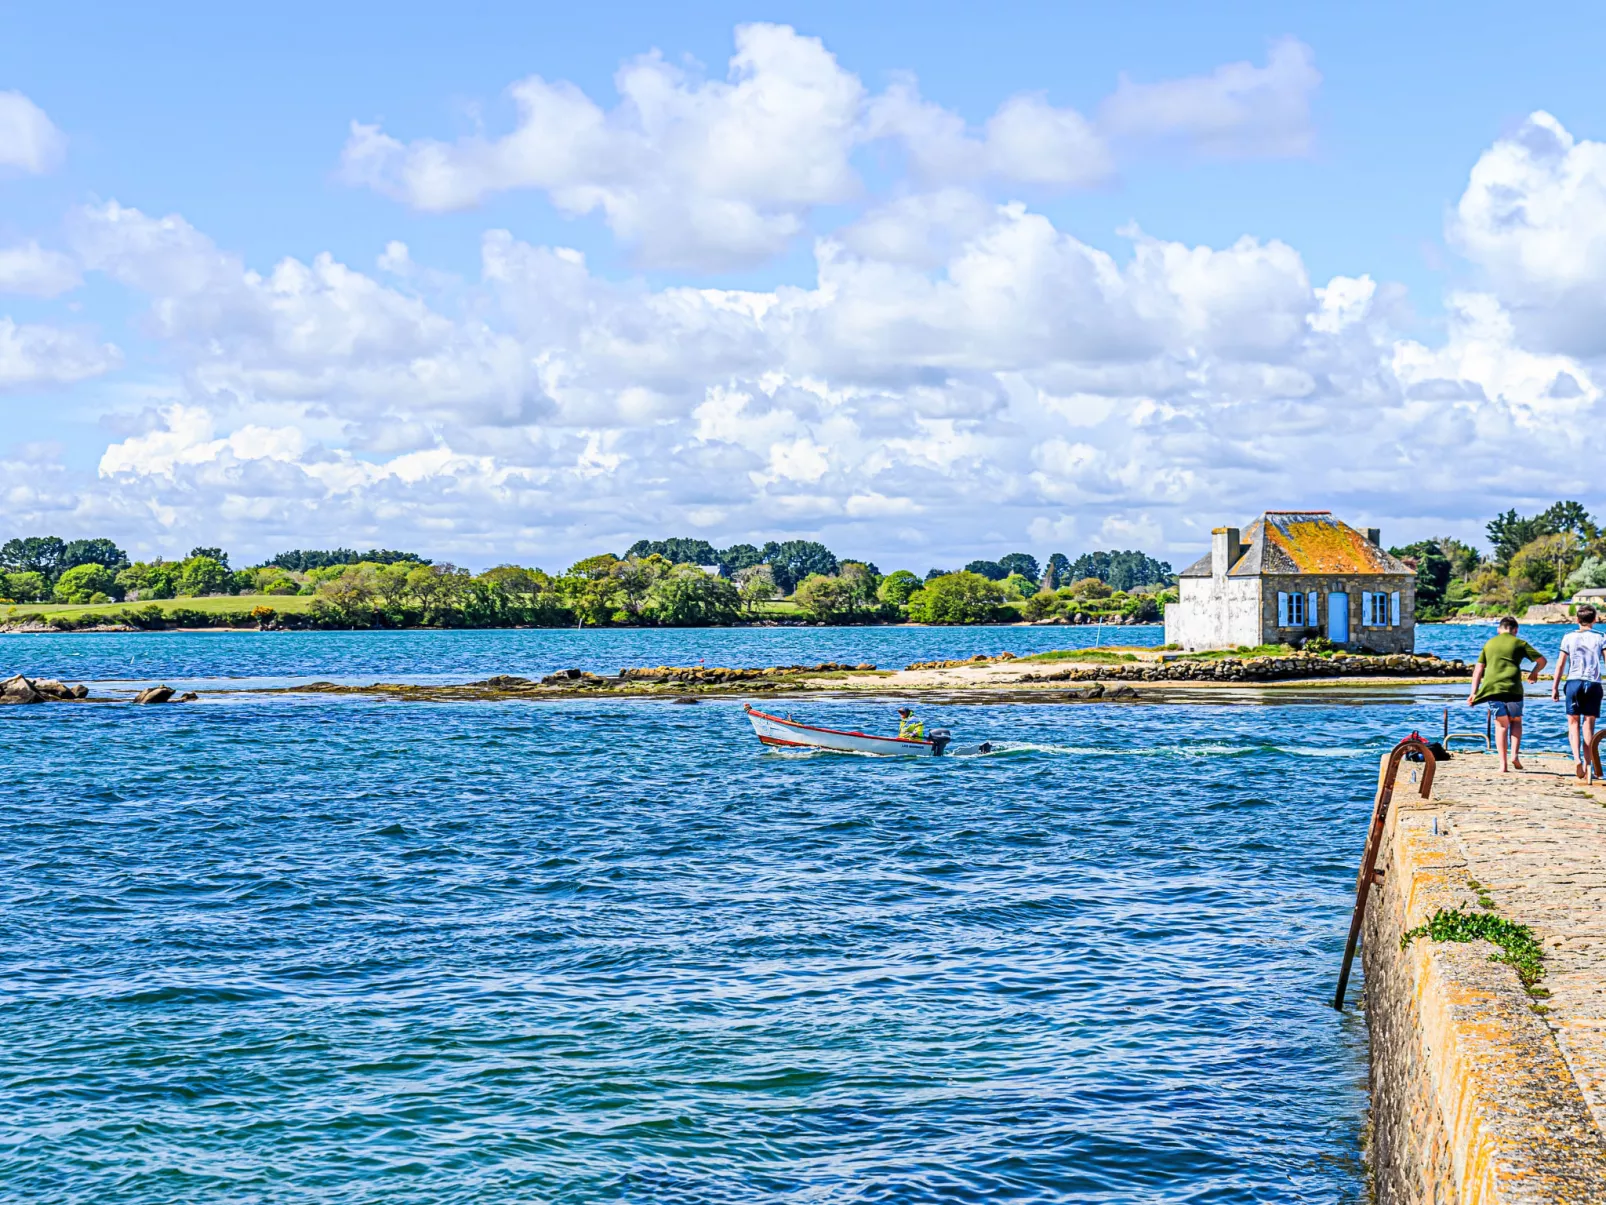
(270, 948)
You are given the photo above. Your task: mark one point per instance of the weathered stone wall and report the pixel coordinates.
(1400, 639)
(1472, 1101)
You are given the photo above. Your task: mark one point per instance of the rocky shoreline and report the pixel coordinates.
(1000, 678)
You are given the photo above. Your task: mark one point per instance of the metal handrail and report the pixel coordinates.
(1486, 736)
(1388, 769)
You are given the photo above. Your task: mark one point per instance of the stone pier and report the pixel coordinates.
(1481, 1091)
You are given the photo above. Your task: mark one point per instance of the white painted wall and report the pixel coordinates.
(1214, 612)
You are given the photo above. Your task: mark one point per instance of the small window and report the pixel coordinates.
(1375, 609)
(1296, 611)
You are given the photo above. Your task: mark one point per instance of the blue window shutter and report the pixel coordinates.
(1282, 608)
(1394, 609)
(1310, 609)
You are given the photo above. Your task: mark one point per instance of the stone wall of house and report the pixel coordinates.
(1400, 639)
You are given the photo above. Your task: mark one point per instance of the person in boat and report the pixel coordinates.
(909, 728)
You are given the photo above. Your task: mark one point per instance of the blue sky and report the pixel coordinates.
(236, 123)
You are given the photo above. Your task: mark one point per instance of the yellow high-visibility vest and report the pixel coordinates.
(911, 729)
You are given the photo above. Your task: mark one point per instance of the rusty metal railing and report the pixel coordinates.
(1388, 769)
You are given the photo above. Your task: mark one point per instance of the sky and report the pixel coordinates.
(519, 283)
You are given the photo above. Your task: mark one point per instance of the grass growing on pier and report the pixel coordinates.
(1519, 947)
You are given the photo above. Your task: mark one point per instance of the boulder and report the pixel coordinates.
(155, 694)
(19, 690)
(52, 689)
(189, 696)
(80, 691)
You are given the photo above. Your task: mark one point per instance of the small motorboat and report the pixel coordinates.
(789, 734)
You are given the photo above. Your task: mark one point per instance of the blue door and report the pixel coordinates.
(1338, 618)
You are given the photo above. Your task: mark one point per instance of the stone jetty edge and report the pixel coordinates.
(1472, 1099)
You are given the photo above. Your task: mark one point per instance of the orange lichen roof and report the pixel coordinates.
(1311, 542)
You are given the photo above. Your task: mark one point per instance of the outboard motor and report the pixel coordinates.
(939, 739)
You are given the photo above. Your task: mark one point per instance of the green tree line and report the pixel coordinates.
(675, 582)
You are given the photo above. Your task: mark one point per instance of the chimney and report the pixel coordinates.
(1224, 550)
(1375, 535)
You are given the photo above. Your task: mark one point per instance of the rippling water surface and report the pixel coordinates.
(269, 949)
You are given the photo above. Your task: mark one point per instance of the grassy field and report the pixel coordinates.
(1107, 655)
(215, 605)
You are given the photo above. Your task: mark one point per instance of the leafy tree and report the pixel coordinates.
(677, 551)
(738, 557)
(1570, 516)
(1591, 575)
(934, 574)
(93, 552)
(345, 598)
(1122, 570)
(688, 597)
(755, 585)
(794, 560)
(1544, 561)
(33, 554)
(1022, 563)
(591, 590)
(848, 595)
(1058, 571)
(1510, 532)
(636, 576)
(301, 560)
(991, 570)
(897, 586)
(1088, 587)
(203, 575)
(1019, 587)
(151, 579)
(82, 583)
(957, 598)
(24, 586)
(211, 554)
(1432, 572)
(829, 599)
(1463, 558)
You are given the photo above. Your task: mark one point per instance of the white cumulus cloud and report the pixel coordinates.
(35, 270)
(29, 140)
(717, 174)
(33, 354)
(1533, 217)
(1237, 110)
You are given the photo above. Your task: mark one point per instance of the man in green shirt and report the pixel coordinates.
(1497, 681)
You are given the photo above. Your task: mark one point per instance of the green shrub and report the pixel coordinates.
(81, 583)
(961, 597)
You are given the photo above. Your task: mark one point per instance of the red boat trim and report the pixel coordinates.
(893, 740)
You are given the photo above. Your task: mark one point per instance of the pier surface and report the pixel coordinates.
(1483, 1091)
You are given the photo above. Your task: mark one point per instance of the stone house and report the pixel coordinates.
(1292, 575)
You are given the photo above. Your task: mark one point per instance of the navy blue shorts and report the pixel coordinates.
(1583, 698)
(1510, 708)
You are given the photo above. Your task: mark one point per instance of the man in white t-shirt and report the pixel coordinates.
(1579, 669)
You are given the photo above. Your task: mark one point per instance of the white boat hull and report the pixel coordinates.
(781, 733)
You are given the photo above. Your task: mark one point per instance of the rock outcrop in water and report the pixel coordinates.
(20, 689)
(155, 694)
